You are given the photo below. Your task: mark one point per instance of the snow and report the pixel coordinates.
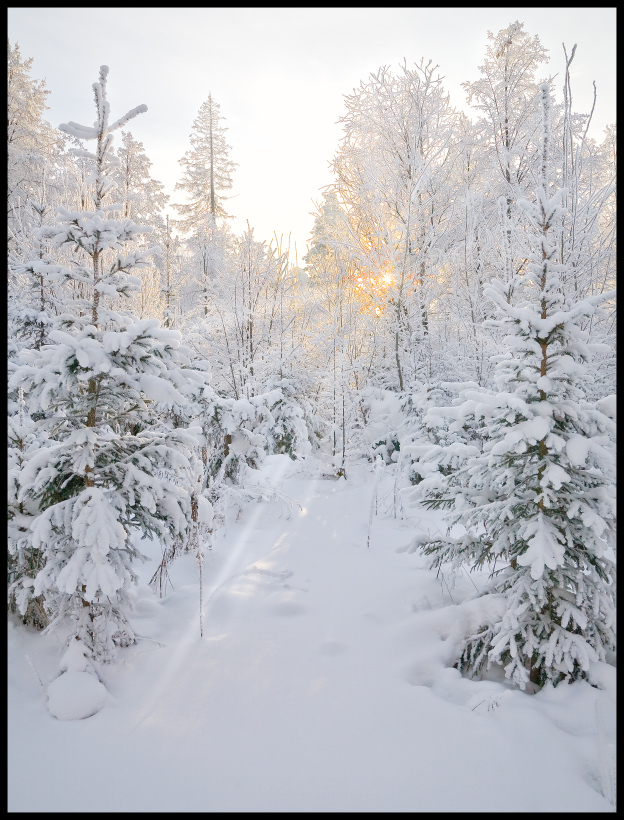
(607, 406)
(205, 513)
(544, 548)
(160, 390)
(75, 696)
(323, 682)
(577, 448)
(77, 693)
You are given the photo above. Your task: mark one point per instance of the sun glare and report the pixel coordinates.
(372, 287)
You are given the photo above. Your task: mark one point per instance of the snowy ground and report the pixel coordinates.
(322, 684)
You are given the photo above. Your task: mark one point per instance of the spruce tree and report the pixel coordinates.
(23, 560)
(207, 168)
(97, 481)
(539, 500)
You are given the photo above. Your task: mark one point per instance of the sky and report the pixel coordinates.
(279, 76)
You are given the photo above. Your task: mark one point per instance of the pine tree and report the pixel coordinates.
(96, 481)
(540, 497)
(207, 168)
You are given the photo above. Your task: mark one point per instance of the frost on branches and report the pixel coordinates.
(538, 502)
(95, 480)
(24, 560)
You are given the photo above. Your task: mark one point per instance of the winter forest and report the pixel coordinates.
(330, 532)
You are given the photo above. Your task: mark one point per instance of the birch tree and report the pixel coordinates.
(506, 97)
(394, 172)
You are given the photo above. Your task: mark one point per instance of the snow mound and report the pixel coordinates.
(75, 695)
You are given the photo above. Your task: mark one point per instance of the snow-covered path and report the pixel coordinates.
(320, 684)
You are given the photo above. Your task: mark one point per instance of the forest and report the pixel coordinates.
(446, 347)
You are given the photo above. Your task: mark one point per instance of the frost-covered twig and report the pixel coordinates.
(32, 666)
(373, 506)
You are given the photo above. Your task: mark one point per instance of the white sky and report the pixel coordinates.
(279, 76)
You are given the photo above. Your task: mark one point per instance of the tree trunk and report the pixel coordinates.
(212, 189)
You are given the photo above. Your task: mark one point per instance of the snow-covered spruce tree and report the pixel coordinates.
(23, 560)
(207, 167)
(193, 406)
(96, 482)
(540, 498)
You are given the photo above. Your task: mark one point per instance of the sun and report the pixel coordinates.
(372, 287)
